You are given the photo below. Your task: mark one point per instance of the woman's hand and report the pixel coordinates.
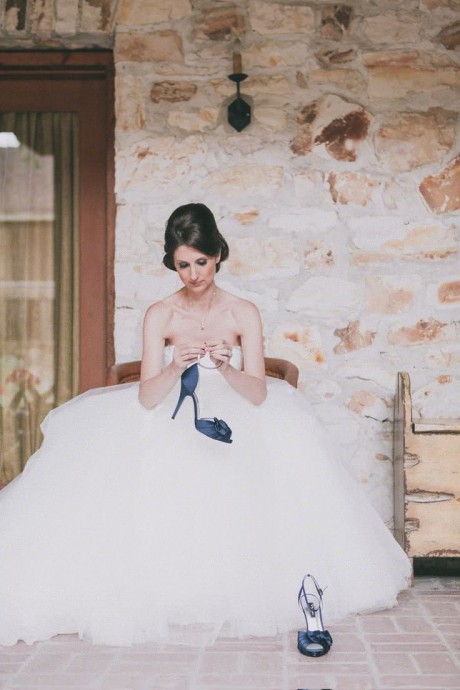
(220, 352)
(186, 354)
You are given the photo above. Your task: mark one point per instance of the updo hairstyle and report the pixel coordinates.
(195, 226)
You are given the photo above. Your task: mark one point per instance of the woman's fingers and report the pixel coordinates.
(185, 354)
(220, 351)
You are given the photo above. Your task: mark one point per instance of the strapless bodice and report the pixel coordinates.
(205, 363)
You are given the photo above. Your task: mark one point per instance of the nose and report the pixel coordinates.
(193, 272)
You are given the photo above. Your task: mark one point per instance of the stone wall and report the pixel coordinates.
(340, 201)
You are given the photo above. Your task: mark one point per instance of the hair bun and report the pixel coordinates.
(193, 225)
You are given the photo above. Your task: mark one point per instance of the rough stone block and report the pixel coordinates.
(409, 140)
(129, 103)
(449, 292)
(434, 4)
(352, 338)
(346, 79)
(272, 54)
(381, 239)
(135, 13)
(442, 191)
(41, 13)
(276, 18)
(449, 36)
(388, 29)
(334, 122)
(66, 16)
(391, 294)
(335, 21)
(201, 120)
(256, 259)
(351, 187)
(318, 254)
(270, 118)
(247, 217)
(299, 344)
(157, 161)
(96, 15)
(343, 297)
(244, 180)
(424, 331)
(395, 74)
(15, 15)
(445, 293)
(303, 220)
(336, 57)
(220, 23)
(172, 91)
(157, 46)
(310, 188)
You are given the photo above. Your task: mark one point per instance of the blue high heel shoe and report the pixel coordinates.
(215, 428)
(315, 640)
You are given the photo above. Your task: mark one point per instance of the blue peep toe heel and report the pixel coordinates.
(214, 428)
(315, 640)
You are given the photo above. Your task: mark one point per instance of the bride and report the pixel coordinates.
(129, 525)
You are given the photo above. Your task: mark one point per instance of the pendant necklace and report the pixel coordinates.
(204, 316)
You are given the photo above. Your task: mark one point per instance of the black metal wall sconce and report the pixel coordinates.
(239, 111)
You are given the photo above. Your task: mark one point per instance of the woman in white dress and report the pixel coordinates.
(129, 526)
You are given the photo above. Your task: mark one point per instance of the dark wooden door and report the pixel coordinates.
(80, 82)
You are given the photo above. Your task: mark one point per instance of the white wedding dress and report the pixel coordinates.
(127, 526)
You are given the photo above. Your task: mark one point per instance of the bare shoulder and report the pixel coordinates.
(160, 312)
(242, 309)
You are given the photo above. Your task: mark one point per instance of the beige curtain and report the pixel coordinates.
(38, 278)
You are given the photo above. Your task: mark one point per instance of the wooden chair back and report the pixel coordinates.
(127, 372)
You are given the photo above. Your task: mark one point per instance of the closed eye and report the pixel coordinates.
(185, 264)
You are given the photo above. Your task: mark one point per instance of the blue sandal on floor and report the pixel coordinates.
(314, 641)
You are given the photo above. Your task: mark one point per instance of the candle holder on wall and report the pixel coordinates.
(239, 111)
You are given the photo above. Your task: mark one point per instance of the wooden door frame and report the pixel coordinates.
(79, 81)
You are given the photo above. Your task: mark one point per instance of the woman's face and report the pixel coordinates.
(196, 270)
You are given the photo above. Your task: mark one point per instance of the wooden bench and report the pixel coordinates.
(426, 480)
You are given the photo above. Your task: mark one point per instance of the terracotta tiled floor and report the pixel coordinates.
(413, 646)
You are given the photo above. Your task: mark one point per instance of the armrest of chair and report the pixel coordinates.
(282, 369)
(127, 372)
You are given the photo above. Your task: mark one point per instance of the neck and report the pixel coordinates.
(204, 298)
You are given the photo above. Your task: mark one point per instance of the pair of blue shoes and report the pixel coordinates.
(214, 428)
(315, 640)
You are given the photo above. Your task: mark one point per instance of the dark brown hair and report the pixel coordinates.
(195, 226)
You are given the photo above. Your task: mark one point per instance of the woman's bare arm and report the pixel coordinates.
(249, 383)
(155, 382)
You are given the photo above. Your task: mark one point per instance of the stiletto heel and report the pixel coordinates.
(189, 381)
(315, 640)
(215, 428)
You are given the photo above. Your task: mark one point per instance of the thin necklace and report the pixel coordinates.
(204, 316)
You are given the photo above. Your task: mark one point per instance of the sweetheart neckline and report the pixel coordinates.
(234, 347)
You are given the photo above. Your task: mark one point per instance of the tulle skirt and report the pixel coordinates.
(127, 526)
